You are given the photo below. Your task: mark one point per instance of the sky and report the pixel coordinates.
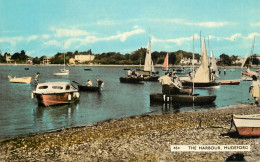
(45, 27)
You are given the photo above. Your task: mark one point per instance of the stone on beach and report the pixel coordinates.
(138, 138)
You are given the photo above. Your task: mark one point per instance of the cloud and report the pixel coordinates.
(232, 37)
(45, 36)
(252, 35)
(12, 40)
(52, 43)
(30, 38)
(178, 41)
(92, 39)
(209, 24)
(136, 27)
(256, 24)
(69, 32)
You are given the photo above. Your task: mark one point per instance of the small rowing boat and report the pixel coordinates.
(183, 99)
(229, 82)
(25, 80)
(247, 125)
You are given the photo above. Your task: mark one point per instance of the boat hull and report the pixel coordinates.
(24, 80)
(229, 82)
(57, 98)
(89, 88)
(131, 80)
(183, 99)
(61, 74)
(151, 78)
(247, 125)
(201, 85)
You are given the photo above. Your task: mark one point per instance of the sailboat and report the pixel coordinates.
(249, 73)
(185, 96)
(149, 70)
(202, 77)
(63, 71)
(166, 63)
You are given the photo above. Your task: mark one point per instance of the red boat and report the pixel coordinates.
(229, 82)
(246, 73)
(247, 125)
(55, 93)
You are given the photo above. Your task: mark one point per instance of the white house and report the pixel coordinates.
(188, 61)
(46, 60)
(8, 58)
(84, 58)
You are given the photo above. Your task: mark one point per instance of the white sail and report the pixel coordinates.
(148, 58)
(244, 60)
(202, 74)
(213, 64)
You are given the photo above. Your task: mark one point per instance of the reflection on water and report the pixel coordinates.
(21, 115)
(56, 116)
(175, 108)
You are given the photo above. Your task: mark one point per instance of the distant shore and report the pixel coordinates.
(110, 65)
(137, 138)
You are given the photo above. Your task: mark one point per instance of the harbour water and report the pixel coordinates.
(19, 114)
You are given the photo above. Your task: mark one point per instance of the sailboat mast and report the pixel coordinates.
(252, 51)
(193, 73)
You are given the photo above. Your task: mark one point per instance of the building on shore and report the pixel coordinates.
(46, 60)
(188, 61)
(8, 58)
(83, 58)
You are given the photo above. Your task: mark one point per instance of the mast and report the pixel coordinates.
(193, 70)
(252, 51)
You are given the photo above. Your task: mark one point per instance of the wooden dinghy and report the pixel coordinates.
(151, 78)
(88, 69)
(247, 125)
(132, 80)
(25, 80)
(183, 99)
(229, 82)
(82, 87)
(211, 84)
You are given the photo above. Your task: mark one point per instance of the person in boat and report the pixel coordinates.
(255, 89)
(36, 78)
(212, 76)
(89, 83)
(100, 83)
(176, 80)
(129, 73)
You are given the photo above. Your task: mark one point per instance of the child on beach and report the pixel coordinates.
(254, 89)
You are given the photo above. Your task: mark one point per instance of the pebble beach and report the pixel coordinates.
(138, 138)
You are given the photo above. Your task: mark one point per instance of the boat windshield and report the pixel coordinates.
(43, 87)
(57, 87)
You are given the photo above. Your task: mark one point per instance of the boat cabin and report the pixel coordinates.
(55, 87)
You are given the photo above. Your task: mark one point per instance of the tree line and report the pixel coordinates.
(135, 58)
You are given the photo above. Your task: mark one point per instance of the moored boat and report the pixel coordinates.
(183, 99)
(88, 88)
(247, 125)
(25, 80)
(133, 80)
(229, 82)
(55, 93)
(203, 76)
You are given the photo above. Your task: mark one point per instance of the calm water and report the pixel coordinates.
(19, 114)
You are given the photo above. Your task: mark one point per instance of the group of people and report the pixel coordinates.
(100, 83)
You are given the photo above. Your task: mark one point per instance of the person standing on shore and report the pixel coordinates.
(165, 83)
(255, 89)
